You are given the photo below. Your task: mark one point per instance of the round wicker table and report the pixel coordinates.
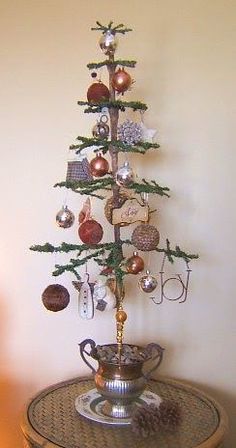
(51, 420)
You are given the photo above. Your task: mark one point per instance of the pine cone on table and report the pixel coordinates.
(146, 420)
(170, 415)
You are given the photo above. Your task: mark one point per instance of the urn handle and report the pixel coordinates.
(155, 351)
(83, 351)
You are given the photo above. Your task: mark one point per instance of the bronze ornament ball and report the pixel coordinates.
(99, 166)
(55, 297)
(145, 237)
(121, 81)
(98, 92)
(134, 264)
(90, 232)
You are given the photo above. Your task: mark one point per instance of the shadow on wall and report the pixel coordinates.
(13, 393)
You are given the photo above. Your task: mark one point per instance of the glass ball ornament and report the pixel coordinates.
(99, 166)
(124, 175)
(108, 43)
(121, 81)
(65, 217)
(134, 264)
(147, 283)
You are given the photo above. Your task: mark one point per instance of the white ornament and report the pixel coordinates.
(147, 134)
(103, 296)
(86, 305)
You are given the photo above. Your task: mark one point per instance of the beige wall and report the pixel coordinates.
(186, 74)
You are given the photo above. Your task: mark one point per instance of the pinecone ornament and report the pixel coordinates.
(146, 420)
(170, 415)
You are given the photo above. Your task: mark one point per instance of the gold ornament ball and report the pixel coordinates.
(108, 43)
(121, 316)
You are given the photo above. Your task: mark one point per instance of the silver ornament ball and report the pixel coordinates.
(108, 43)
(147, 283)
(65, 217)
(124, 175)
(100, 130)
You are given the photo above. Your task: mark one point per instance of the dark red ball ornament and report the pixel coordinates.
(99, 166)
(121, 81)
(98, 92)
(55, 297)
(90, 232)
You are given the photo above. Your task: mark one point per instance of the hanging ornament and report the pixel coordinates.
(131, 211)
(99, 166)
(55, 297)
(130, 132)
(78, 170)
(124, 175)
(86, 304)
(98, 92)
(121, 80)
(85, 212)
(90, 232)
(65, 218)
(134, 264)
(103, 295)
(147, 134)
(145, 237)
(147, 282)
(108, 43)
(110, 205)
(101, 129)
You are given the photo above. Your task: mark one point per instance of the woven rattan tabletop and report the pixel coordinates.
(51, 420)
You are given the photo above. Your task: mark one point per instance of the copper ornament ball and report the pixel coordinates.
(98, 92)
(99, 166)
(55, 297)
(121, 80)
(145, 237)
(134, 264)
(90, 232)
(121, 316)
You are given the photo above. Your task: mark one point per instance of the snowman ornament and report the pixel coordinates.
(103, 297)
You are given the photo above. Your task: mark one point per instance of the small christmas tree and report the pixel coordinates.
(126, 196)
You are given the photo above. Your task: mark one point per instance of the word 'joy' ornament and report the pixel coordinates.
(131, 211)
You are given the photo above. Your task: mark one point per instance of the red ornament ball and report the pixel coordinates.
(121, 81)
(90, 232)
(55, 297)
(98, 92)
(99, 166)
